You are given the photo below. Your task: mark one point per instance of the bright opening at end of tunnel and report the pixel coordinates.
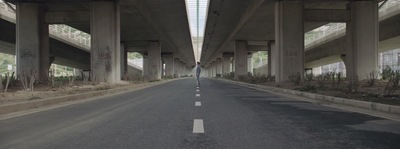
(197, 13)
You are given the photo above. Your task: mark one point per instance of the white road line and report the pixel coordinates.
(198, 126)
(197, 95)
(197, 90)
(197, 104)
(197, 87)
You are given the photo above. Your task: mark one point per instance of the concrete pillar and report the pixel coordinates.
(362, 33)
(154, 61)
(145, 67)
(177, 68)
(250, 63)
(124, 60)
(289, 37)
(233, 64)
(226, 63)
(269, 50)
(240, 58)
(105, 33)
(32, 42)
(215, 69)
(274, 59)
(169, 64)
(219, 66)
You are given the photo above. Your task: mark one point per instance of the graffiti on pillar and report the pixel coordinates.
(27, 58)
(290, 52)
(27, 53)
(103, 57)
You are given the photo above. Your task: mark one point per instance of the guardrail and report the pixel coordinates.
(338, 28)
(62, 31)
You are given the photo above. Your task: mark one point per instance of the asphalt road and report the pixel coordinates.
(166, 117)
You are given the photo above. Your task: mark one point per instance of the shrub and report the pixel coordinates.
(295, 78)
(393, 83)
(387, 73)
(371, 78)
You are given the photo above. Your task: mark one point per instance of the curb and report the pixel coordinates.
(28, 105)
(390, 109)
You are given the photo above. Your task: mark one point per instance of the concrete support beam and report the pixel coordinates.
(169, 64)
(105, 32)
(67, 17)
(154, 61)
(226, 63)
(327, 15)
(362, 35)
(240, 58)
(219, 66)
(274, 59)
(32, 42)
(177, 66)
(145, 67)
(289, 32)
(214, 69)
(124, 60)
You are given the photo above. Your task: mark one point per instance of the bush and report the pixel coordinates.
(229, 76)
(295, 78)
(393, 83)
(371, 78)
(387, 73)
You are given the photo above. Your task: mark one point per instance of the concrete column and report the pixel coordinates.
(212, 66)
(177, 68)
(274, 59)
(145, 67)
(233, 64)
(289, 37)
(250, 63)
(105, 32)
(269, 59)
(362, 33)
(240, 58)
(226, 63)
(124, 60)
(219, 66)
(32, 42)
(169, 64)
(215, 69)
(154, 61)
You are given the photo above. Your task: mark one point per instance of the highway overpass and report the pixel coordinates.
(115, 28)
(235, 29)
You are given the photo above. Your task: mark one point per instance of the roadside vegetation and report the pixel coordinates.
(378, 87)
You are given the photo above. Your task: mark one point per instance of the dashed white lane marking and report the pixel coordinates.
(197, 95)
(197, 90)
(197, 87)
(198, 126)
(197, 104)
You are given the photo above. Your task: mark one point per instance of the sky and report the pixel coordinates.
(197, 24)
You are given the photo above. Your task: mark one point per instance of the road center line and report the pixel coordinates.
(198, 126)
(198, 104)
(197, 90)
(197, 95)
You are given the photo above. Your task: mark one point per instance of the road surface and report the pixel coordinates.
(217, 115)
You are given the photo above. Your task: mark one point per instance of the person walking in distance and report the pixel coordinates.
(198, 71)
